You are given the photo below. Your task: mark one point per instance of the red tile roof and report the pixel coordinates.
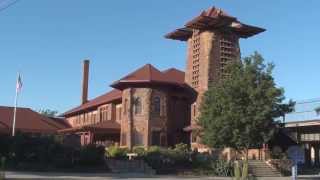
(105, 126)
(211, 19)
(27, 121)
(100, 100)
(150, 74)
(60, 122)
(4, 128)
(145, 74)
(174, 75)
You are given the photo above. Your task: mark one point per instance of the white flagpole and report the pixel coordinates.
(15, 109)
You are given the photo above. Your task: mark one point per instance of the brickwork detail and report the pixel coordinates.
(195, 58)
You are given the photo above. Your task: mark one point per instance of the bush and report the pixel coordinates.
(91, 155)
(221, 168)
(284, 166)
(3, 163)
(166, 160)
(116, 152)
(30, 152)
(237, 172)
(154, 149)
(159, 159)
(139, 150)
(180, 154)
(2, 168)
(205, 164)
(183, 148)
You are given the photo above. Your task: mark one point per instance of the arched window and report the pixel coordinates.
(156, 105)
(137, 106)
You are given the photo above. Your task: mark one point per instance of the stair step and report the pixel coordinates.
(261, 169)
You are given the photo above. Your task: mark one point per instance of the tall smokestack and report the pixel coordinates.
(85, 81)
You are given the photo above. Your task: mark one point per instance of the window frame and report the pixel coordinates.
(137, 106)
(156, 105)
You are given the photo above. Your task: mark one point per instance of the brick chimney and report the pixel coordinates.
(85, 81)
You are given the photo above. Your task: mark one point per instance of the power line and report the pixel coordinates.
(308, 101)
(7, 5)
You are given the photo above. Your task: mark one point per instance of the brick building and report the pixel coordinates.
(153, 107)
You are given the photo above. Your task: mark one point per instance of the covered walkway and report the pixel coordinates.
(104, 133)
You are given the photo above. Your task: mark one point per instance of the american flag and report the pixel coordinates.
(19, 84)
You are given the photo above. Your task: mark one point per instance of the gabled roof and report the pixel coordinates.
(27, 120)
(174, 75)
(214, 18)
(100, 100)
(4, 128)
(105, 126)
(149, 74)
(145, 74)
(60, 122)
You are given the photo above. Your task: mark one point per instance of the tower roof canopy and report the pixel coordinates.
(148, 74)
(214, 18)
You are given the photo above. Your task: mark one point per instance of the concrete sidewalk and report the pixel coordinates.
(101, 176)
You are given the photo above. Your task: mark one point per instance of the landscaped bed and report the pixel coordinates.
(178, 160)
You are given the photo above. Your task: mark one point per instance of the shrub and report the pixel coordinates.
(221, 168)
(237, 172)
(182, 148)
(245, 170)
(154, 149)
(158, 158)
(180, 154)
(284, 166)
(163, 159)
(2, 168)
(91, 155)
(140, 150)
(116, 152)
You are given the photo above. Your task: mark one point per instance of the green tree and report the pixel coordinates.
(239, 110)
(317, 109)
(48, 112)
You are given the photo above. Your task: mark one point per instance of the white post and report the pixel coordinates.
(15, 111)
(294, 172)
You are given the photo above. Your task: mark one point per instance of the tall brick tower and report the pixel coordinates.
(212, 41)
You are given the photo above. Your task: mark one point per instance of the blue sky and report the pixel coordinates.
(47, 40)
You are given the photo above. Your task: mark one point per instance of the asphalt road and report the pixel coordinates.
(100, 176)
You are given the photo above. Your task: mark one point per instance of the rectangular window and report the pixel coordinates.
(156, 104)
(94, 117)
(155, 138)
(137, 106)
(123, 139)
(103, 114)
(163, 140)
(138, 138)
